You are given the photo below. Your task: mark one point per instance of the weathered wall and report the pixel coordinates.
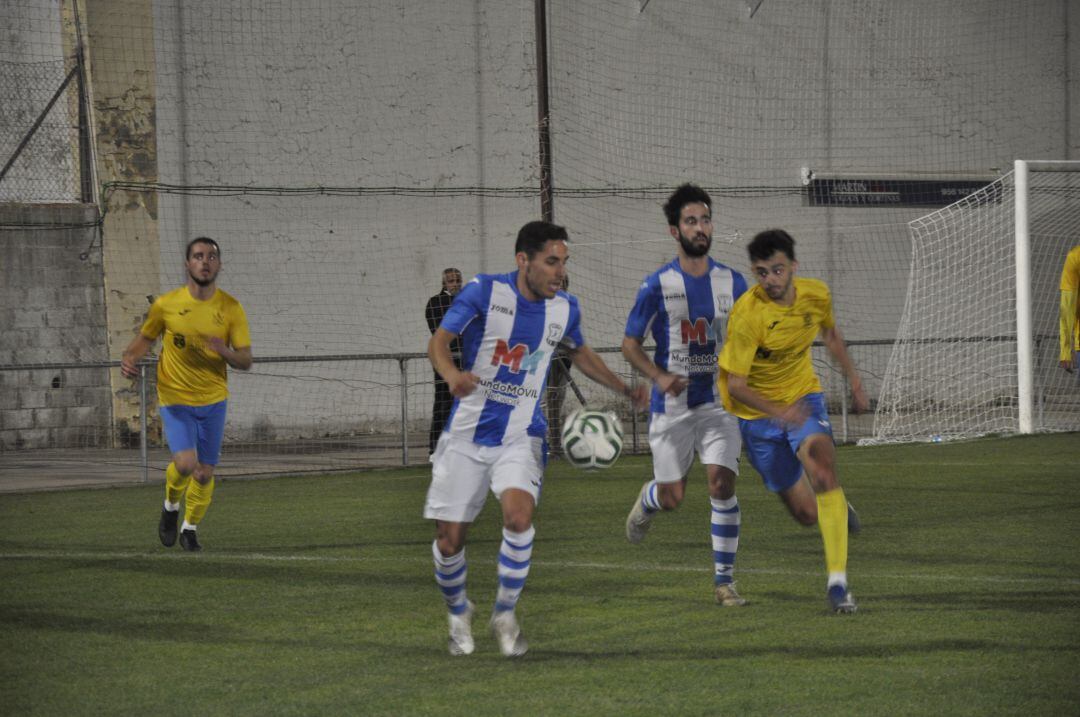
(52, 310)
(121, 72)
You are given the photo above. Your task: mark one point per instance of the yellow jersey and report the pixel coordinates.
(770, 344)
(1069, 333)
(189, 373)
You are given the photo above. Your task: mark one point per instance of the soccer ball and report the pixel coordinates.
(592, 439)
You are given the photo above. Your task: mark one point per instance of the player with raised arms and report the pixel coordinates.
(684, 305)
(768, 381)
(495, 438)
(205, 329)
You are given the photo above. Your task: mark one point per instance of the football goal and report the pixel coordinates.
(977, 347)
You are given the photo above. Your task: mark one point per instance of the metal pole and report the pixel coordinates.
(844, 410)
(404, 411)
(86, 169)
(547, 208)
(142, 425)
(1023, 299)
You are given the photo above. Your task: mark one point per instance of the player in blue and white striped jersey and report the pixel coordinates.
(510, 325)
(685, 305)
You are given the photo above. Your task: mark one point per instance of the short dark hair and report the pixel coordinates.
(686, 194)
(201, 240)
(450, 271)
(766, 243)
(534, 235)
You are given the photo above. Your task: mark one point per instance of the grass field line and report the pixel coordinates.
(570, 565)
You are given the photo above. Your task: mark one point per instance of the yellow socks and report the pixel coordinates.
(832, 520)
(198, 500)
(175, 484)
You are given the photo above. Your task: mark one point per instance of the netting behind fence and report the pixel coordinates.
(345, 153)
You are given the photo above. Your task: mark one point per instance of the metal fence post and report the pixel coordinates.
(142, 425)
(404, 411)
(844, 409)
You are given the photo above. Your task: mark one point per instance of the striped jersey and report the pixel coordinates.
(508, 342)
(687, 316)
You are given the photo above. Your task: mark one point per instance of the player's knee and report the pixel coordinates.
(203, 473)
(517, 521)
(185, 464)
(450, 539)
(448, 546)
(722, 485)
(805, 516)
(823, 479)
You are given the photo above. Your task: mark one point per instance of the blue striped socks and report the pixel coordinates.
(515, 555)
(450, 574)
(726, 520)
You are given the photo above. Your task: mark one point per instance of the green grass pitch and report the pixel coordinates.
(314, 595)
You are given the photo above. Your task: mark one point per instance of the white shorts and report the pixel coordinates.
(462, 472)
(708, 429)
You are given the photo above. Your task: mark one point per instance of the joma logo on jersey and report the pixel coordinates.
(701, 331)
(518, 358)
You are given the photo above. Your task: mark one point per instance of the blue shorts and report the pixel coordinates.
(195, 427)
(772, 448)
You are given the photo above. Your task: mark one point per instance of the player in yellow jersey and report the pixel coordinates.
(1069, 313)
(205, 330)
(768, 381)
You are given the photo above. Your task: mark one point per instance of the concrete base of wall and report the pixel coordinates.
(52, 311)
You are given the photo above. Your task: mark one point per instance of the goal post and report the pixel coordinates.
(976, 349)
(1024, 345)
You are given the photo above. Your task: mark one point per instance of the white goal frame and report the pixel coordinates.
(973, 354)
(1025, 365)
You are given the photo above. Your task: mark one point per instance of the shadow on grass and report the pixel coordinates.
(150, 627)
(1025, 601)
(806, 652)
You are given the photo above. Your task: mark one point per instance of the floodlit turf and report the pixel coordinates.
(315, 595)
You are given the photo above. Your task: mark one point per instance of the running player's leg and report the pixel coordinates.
(817, 453)
(459, 485)
(181, 433)
(718, 446)
(210, 430)
(672, 442)
(517, 477)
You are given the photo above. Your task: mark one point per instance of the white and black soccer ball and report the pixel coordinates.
(592, 439)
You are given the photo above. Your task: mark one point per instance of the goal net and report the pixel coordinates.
(960, 367)
(342, 171)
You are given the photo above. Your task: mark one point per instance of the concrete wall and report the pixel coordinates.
(439, 101)
(33, 64)
(53, 311)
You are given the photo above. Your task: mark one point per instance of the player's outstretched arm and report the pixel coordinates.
(590, 364)
(667, 382)
(133, 353)
(460, 383)
(834, 341)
